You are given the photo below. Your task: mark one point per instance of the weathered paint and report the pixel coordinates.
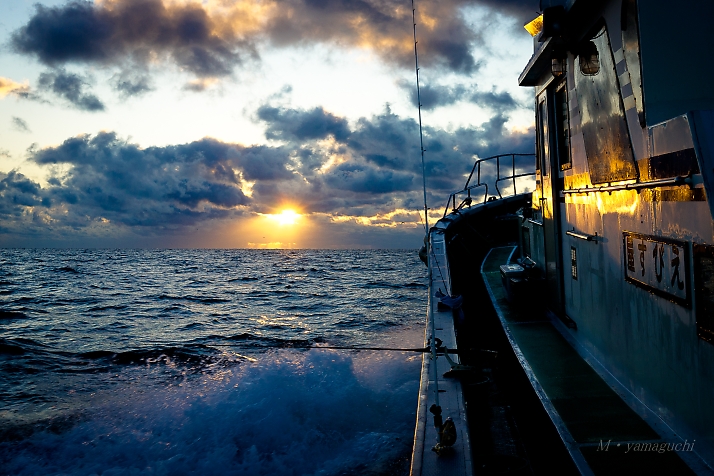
(647, 340)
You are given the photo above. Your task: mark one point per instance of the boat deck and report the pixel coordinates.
(600, 430)
(457, 459)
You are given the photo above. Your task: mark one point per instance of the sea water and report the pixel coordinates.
(117, 362)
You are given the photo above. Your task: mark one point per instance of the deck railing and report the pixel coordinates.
(504, 172)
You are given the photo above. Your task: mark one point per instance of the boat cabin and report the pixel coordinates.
(620, 224)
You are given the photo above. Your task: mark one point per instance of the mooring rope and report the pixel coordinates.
(439, 350)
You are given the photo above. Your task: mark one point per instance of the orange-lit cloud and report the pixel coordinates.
(106, 184)
(10, 87)
(210, 38)
(392, 219)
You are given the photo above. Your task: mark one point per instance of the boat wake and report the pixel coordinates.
(282, 414)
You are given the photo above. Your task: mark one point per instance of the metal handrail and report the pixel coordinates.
(476, 169)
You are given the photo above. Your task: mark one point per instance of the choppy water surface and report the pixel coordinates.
(159, 362)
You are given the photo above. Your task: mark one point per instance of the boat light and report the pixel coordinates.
(535, 26)
(558, 63)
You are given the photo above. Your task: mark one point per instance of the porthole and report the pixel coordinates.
(589, 59)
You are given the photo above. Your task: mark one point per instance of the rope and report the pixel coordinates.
(438, 267)
(417, 349)
(439, 350)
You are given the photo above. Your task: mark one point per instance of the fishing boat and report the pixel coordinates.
(576, 329)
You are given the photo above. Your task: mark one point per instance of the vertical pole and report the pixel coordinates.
(429, 251)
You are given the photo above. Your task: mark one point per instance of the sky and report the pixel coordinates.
(250, 123)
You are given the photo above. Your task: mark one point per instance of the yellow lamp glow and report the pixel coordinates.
(534, 26)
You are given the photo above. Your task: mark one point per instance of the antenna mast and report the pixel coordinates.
(435, 408)
(421, 134)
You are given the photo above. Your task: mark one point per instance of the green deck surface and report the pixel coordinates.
(590, 410)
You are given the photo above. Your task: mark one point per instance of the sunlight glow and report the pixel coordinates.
(400, 217)
(273, 245)
(286, 217)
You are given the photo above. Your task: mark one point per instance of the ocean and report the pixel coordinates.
(202, 362)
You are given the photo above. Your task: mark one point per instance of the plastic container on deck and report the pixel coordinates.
(513, 277)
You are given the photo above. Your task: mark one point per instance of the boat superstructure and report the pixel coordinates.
(602, 279)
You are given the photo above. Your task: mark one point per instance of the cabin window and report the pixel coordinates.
(562, 126)
(704, 290)
(542, 138)
(589, 59)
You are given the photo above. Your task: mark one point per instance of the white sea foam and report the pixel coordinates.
(291, 412)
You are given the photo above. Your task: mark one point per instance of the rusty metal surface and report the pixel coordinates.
(631, 50)
(607, 140)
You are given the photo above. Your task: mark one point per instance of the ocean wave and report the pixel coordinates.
(283, 414)
(68, 269)
(201, 371)
(108, 307)
(186, 354)
(12, 314)
(206, 300)
(388, 285)
(272, 342)
(9, 349)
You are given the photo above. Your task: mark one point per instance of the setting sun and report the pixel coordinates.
(286, 217)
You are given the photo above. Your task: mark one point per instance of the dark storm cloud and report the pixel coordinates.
(365, 178)
(71, 87)
(290, 124)
(522, 10)
(20, 124)
(112, 32)
(381, 161)
(128, 85)
(368, 169)
(210, 41)
(434, 96)
(384, 26)
(500, 102)
(18, 192)
(156, 186)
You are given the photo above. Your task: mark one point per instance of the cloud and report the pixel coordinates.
(435, 96)
(376, 163)
(360, 173)
(210, 39)
(522, 10)
(290, 124)
(111, 186)
(8, 87)
(200, 85)
(112, 32)
(71, 87)
(128, 84)
(20, 124)
(17, 192)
